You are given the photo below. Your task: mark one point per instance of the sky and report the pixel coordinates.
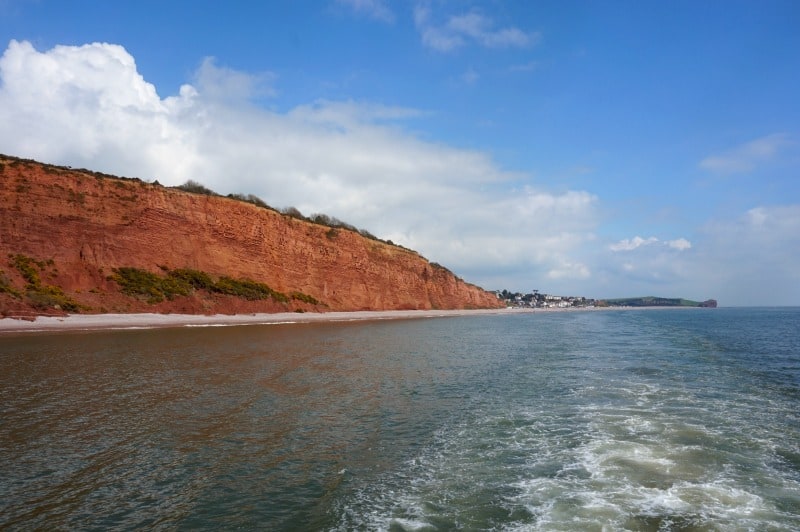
(597, 149)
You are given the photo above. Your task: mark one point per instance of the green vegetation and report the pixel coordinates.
(194, 278)
(27, 267)
(40, 295)
(247, 289)
(136, 282)
(183, 281)
(47, 296)
(651, 301)
(196, 188)
(251, 198)
(305, 298)
(5, 285)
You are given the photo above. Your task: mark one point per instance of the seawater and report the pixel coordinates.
(613, 420)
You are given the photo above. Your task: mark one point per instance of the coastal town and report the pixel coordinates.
(537, 299)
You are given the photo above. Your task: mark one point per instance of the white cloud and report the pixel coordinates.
(746, 157)
(629, 244)
(633, 243)
(750, 259)
(376, 9)
(459, 30)
(680, 244)
(88, 106)
(220, 83)
(754, 257)
(568, 270)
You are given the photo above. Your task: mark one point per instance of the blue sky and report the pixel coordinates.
(579, 148)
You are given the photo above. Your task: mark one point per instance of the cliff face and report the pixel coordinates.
(85, 225)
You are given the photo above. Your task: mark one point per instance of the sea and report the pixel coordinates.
(652, 420)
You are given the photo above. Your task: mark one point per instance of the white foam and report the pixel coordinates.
(411, 524)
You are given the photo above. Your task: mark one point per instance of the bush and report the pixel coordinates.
(293, 213)
(40, 295)
(196, 188)
(305, 298)
(136, 282)
(5, 285)
(321, 219)
(52, 296)
(250, 290)
(250, 198)
(194, 278)
(181, 282)
(25, 266)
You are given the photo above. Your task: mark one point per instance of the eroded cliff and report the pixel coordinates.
(79, 226)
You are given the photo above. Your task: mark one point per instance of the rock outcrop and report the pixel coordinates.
(81, 225)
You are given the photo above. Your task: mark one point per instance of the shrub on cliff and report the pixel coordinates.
(40, 296)
(305, 298)
(196, 188)
(181, 282)
(251, 198)
(293, 212)
(136, 282)
(247, 289)
(5, 285)
(194, 278)
(27, 267)
(52, 297)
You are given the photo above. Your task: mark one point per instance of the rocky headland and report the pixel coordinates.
(79, 241)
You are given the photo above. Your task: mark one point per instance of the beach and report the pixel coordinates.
(77, 322)
(86, 322)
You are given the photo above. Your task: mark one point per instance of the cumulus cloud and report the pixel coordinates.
(88, 106)
(746, 157)
(471, 27)
(220, 83)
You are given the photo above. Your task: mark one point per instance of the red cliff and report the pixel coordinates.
(79, 226)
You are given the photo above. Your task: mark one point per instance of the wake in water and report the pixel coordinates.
(638, 445)
(669, 420)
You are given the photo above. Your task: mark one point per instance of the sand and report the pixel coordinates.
(77, 322)
(88, 322)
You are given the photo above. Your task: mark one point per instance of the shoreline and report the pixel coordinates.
(98, 322)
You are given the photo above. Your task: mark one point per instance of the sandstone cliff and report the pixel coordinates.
(79, 226)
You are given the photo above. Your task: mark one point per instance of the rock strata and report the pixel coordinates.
(79, 226)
